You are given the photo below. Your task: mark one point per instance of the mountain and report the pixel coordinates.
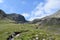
(2, 14)
(49, 23)
(16, 17)
(53, 19)
(49, 20)
(13, 17)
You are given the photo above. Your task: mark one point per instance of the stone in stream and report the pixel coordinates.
(11, 37)
(15, 34)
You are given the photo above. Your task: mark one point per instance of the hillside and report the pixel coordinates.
(56, 15)
(2, 14)
(17, 18)
(49, 23)
(51, 19)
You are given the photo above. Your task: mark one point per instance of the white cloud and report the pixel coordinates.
(52, 5)
(1, 1)
(25, 14)
(45, 8)
(38, 10)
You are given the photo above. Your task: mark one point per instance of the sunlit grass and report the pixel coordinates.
(8, 28)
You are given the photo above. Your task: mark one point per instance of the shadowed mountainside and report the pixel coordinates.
(13, 17)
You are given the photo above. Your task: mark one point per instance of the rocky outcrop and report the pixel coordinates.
(2, 14)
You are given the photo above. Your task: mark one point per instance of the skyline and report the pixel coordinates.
(30, 9)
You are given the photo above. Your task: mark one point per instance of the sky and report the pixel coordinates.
(30, 9)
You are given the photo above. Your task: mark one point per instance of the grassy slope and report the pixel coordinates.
(7, 29)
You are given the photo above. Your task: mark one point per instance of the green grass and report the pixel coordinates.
(7, 29)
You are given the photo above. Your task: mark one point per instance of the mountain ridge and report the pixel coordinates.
(13, 16)
(51, 19)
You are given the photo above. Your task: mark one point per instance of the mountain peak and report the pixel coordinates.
(2, 14)
(1, 11)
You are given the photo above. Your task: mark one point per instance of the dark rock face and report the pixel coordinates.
(16, 17)
(2, 14)
(13, 16)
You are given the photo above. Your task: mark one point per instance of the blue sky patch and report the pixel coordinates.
(30, 9)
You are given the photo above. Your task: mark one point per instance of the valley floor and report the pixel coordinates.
(32, 34)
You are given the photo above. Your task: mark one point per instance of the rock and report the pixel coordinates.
(11, 37)
(15, 34)
(2, 14)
